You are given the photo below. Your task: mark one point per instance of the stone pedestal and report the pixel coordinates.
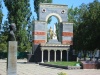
(53, 41)
(12, 58)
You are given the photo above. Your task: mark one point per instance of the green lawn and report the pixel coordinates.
(63, 63)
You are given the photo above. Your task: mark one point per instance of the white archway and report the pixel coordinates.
(54, 14)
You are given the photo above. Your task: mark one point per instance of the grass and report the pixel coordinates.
(63, 63)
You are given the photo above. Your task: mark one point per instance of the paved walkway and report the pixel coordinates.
(35, 69)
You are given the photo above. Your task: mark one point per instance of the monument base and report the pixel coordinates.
(12, 58)
(53, 41)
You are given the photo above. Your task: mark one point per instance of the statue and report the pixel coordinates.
(51, 33)
(11, 36)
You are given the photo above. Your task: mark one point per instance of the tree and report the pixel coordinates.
(74, 17)
(86, 30)
(72, 14)
(3, 42)
(19, 13)
(36, 5)
(1, 14)
(92, 23)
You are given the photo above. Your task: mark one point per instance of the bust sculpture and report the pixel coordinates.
(11, 36)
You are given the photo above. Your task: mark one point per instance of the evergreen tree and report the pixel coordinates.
(1, 14)
(19, 13)
(3, 42)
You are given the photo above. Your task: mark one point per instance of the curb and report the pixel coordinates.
(63, 67)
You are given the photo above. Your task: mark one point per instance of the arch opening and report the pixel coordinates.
(53, 23)
(56, 15)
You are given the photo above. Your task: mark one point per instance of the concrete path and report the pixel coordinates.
(24, 68)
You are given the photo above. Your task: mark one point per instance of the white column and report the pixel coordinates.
(42, 57)
(55, 55)
(54, 29)
(48, 55)
(61, 55)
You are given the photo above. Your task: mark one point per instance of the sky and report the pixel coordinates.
(74, 3)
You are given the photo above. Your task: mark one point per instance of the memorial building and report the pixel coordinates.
(55, 48)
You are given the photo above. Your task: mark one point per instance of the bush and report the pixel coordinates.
(61, 73)
(3, 47)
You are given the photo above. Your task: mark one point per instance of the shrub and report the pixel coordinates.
(61, 73)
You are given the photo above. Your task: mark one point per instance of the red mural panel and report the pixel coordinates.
(39, 41)
(67, 34)
(68, 42)
(38, 33)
